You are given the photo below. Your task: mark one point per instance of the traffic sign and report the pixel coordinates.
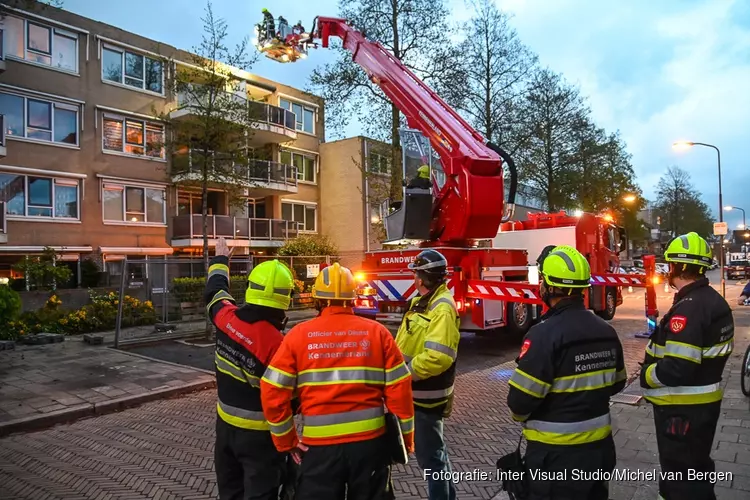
(720, 228)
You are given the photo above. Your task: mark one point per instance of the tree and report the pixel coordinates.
(553, 113)
(41, 272)
(416, 32)
(497, 66)
(209, 146)
(680, 203)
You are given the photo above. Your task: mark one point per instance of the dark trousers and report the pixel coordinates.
(685, 436)
(352, 471)
(432, 455)
(248, 467)
(553, 459)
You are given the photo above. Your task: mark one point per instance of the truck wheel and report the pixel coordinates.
(610, 305)
(518, 317)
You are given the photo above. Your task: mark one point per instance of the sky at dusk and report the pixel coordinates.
(658, 71)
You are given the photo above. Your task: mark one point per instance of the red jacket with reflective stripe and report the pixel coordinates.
(345, 368)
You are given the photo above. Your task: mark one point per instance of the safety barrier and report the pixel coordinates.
(173, 290)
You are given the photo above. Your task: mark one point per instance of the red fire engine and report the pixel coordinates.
(459, 214)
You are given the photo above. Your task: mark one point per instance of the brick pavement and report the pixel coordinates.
(73, 379)
(164, 449)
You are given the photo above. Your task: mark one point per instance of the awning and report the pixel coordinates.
(136, 250)
(40, 249)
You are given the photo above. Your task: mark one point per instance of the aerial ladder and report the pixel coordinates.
(464, 207)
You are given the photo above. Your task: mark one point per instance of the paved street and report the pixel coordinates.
(163, 449)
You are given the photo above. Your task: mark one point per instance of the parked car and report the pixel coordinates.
(738, 269)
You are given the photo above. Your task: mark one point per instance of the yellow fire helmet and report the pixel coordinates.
(270, 284)
(335, 282)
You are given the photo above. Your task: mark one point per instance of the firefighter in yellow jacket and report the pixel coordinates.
(428, 338)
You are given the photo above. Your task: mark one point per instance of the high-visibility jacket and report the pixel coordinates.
(345, 369)
(428, 338)
(244, 347)
(686, 354)
(569, 365)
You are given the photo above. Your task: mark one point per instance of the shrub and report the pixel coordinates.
(89, 273)
(192, 289)
(308, 245)
(10, 306)
(99, 315)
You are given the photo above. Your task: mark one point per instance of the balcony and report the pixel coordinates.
(3, 224)
(272, 124)
(187, 231)
(2, 53)
(3, 150)
(260, 177)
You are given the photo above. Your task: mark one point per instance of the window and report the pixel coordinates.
(305, 214)
(379, 163)
(305, 115)
(133, 137)
(41, 44)
(131, 69)
(39, 197)
(133, 204)
(305, 164)
(38, 119)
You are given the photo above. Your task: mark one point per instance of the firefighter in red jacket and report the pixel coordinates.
(248, 466)
(345, 368)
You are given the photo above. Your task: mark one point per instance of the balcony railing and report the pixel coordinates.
(235, 228)
(2, 130)
(255, 171)
(269, 113)
(258, 111)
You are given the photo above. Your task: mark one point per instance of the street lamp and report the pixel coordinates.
(689, 144)
(629, 198)
(730, 207)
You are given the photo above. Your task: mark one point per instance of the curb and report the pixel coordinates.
(157, 360)
(68, 415)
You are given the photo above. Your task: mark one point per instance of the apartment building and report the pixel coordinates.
(82, 163)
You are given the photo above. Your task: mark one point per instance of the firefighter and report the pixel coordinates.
(570, 364)
(422, 180)
(428, 338)
(247, 464)
(681, 374)
(345, 369)
(269, 24)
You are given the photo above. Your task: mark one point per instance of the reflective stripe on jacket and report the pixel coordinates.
(570, 364)
(686, 354)
(345, 370)
(428, 338)
(242, 351)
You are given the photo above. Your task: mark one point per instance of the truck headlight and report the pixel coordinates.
(533, 275)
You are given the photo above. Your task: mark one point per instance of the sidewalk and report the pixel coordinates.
(54, 383)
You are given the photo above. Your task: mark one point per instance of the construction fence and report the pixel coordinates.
(175, 289)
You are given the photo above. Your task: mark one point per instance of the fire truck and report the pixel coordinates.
(462, 211)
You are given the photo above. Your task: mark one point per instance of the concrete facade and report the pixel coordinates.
(72, 153)
(355, 185)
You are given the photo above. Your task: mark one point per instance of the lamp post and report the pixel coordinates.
(690, 144)
(628, 198)
(730, 207)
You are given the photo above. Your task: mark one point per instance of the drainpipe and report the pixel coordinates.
(365, 155)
